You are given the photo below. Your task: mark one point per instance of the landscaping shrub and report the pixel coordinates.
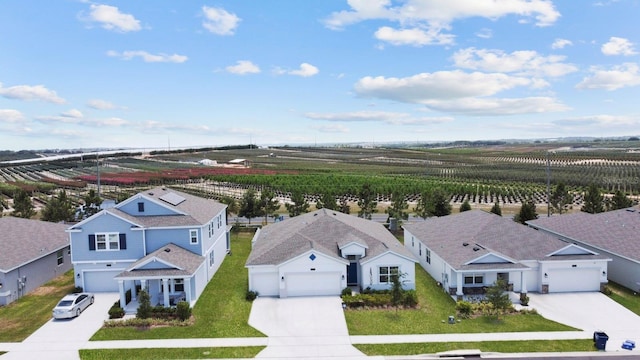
(183, 310)
(77, 289)
(606, 290)
(410, 298)
(144, 307)
(251, 295)
(116, 312)
(346, 292)
(524, 300)
(464, 309)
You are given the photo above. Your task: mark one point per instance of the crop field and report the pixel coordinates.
(506, 173)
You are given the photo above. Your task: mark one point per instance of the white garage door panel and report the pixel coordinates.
(101, 281)
(313, 284)
(574, 279)
(265, 284)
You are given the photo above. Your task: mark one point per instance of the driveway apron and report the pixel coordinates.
(590, 311)
(303, 328)
(61, 339)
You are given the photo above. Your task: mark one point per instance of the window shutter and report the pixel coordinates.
(123, 241)
(92, 242)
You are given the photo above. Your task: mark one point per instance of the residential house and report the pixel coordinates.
(615, 234)
(33, 252)
(162, 240)
(470, 251)
(323, 252)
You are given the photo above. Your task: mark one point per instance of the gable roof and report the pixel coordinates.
(323, 231)
(614, 231)
(178, 262)
(485, 233)
(25, 240)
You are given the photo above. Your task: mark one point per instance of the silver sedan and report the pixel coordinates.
(72, 305)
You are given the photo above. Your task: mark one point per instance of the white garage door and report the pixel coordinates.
(265, 284)
(574, 279)
(101, 281)
(313, 284)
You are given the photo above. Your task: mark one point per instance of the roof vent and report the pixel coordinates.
(465, 244)
(316, 214)
(475, 248)
(167, 250)
(631, 210)
(150, 193)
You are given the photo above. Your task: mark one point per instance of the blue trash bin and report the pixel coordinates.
(600, 340)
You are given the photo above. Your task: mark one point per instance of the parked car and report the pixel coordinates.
(72, 305)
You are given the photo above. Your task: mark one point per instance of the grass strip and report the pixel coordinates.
(171, 353)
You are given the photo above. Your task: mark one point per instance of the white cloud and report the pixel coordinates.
(519, 62)
(497, 106)
(393, 118)
(599, 120)
(618, 46)
(111, 18)
(561, 43)
(10, 116)
(100, 104)
(147, 57)
(28, 92)
(73, 113)
(415, 36)
(436, 15)
(243, 67)
(619, 76)
(305, 70)
(219, 21)
(485, 33)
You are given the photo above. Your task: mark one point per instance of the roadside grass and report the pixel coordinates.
(435, 306)
(22, 317)
(625, 297)
(172, 353)
(221, 310)
(485, 346)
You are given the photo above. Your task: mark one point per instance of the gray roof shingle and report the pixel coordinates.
(24, 240)
(186, 262)
(323, 230)
(615, 231)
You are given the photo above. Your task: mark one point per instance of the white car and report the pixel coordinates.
(72, 305)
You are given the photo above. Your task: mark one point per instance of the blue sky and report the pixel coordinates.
(82, 74)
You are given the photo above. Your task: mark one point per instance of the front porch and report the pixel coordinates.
(166, 292)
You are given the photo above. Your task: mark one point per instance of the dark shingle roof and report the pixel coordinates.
(24, 240)
(322, 230)
(484, 233)
(615, 231)
(186, 263)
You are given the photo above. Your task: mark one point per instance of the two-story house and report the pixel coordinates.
(167, 242)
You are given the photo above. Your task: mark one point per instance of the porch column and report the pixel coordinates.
(134, 292)
(523, 283)
(459, 291)
(165, 292)
(123, 298)
(187, 290)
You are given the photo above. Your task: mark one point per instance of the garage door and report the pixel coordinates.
(265, 284)
(574, 279)
(101, 281)
(313, 284)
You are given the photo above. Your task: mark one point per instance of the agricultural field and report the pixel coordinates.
(481, 174)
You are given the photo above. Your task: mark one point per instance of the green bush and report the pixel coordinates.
(183, 309)
(524, 300)
(116, 312)
(606, 290)
(77, 289)
(410, 298)
(251, 295)
(144, 307)
(464, 309)
(346, 292)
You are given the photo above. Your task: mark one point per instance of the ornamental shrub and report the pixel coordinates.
(183, 310)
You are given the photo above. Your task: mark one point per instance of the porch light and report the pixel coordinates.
(342, 276)
(545, 275)
(78, 276)
(0, 285)
(604, 273)
(282, 278)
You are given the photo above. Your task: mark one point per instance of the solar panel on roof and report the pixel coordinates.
(172, 198)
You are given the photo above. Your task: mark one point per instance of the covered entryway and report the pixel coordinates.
(352, 274)
(313, 284)
(100, 281)
(574, 279)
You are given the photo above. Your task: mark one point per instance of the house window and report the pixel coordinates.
(193, 236)
(387, 272)
(140, 207)
(427, 255)
(412, 241)
(212, 258)
(473, 279)
(60, 257)
(419, 249)
(178, 285)
(107, 241)
(219, 221)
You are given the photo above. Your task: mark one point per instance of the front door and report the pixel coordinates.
(352, 273)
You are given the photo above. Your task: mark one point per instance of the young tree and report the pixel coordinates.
(399, 206)
(269, 203)
(327, 201)
(144, 305)
(59, 208)
(593, 200)
(92, 204)
(366, 202)
(423, 208)
(344, 205)
(232, 206)
(496, 209)
(440, 203)
(619, 201)
(465, 206)
(299, 204)
(22, 205)
(527, 212)
(397, 292)
(498, 298)
(249, 207)
(560, 199)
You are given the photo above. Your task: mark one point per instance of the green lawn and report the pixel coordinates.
(171, 353)
(21, 318)
(221, 310)
(485, 346)
(434, 309)
(625, 297)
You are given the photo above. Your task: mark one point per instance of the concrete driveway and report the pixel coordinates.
(591, 311)
(61, 339)
(304, 327)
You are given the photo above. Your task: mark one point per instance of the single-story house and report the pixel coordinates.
(323, 252)
(615, 234)
(469, 251)
(33, 252)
